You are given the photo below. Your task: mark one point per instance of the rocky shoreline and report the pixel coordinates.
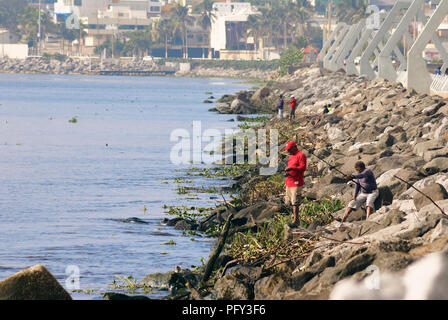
(399, 251)
(202, 72)
(402, 136)
(93, 67)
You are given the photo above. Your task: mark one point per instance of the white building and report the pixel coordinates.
(82, 8)
(127, 9)
(225, 13)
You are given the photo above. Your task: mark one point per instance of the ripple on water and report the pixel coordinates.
(62, 189)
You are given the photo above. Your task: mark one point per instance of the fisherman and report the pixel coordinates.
(324, 112)
(366, 190)
(294, 180)
(280, 107)
(293, 104)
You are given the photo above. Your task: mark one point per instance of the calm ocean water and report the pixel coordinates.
(64, 186)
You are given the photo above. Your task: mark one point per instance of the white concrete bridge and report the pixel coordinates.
(376, 42)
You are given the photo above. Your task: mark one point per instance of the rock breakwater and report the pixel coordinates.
(401, 135)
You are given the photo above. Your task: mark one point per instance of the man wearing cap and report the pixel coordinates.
(294, 177)
(293, 104)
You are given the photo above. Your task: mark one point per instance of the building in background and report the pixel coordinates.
(383, 4)
(229, 31)
(7, 37)
(10, 48)
(310, 54)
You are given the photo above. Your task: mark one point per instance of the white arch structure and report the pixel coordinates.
(361, 41)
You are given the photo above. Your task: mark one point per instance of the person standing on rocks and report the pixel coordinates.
(366, 190)
(280, 107)
(294, 178)
(293, 104)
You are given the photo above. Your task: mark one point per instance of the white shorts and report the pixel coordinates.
(364, 198)
(280, 113)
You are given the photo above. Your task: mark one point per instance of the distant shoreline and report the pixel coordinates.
(85, 67)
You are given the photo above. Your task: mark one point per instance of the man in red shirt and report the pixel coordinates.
(294, 177)
(293, 104)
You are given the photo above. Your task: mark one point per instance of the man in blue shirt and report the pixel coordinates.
(280, 107)
(366, 190)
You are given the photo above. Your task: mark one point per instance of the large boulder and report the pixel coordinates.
(233, 287)
(259, 95)
(157, 280)
(34, 283)
(426, 279)
(260, 212)
(435, 190)
(241, 107)
(422, 147)
(384, 198)
(436, 165)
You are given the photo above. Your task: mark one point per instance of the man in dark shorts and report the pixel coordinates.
(293, 104)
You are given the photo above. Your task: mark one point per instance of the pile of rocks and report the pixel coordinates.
(206, 72)
(396, 132)
(246, 102)
(77, 66)
(71, 66)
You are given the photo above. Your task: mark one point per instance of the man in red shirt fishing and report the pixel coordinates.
(293, 104)
(294, 177)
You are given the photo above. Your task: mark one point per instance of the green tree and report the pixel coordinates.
(291, 58)
(29, 25)
(10, 12)
(138, 43)
(165, 29)
(350, 11)
(181, 19)
(207, 15)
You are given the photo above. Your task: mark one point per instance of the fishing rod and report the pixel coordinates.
(333, 167)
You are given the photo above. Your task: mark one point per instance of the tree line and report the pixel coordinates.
(280, 24)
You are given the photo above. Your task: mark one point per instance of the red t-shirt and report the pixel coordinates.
(296, 162)
(293, 103)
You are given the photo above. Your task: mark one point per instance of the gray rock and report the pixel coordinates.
(435, 190)
(120, 296)
(157, 280)
(261, 212)
(393, 217)
(233, 287)
(386, 141)
(436, 165)
(421, 148)
(421, 227)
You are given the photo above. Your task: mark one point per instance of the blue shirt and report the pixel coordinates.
(280, 104)
(365, 181)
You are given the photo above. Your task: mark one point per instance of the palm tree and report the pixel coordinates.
(138, 43)
(181, 19)
(303, 14)
(28, 27)
(350, 11)
(254, 29)
(165, 27)
(207, 15)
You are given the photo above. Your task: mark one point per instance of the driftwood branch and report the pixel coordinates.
(222, 240)
(194, 293)
(227, 266)
(425, 195)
